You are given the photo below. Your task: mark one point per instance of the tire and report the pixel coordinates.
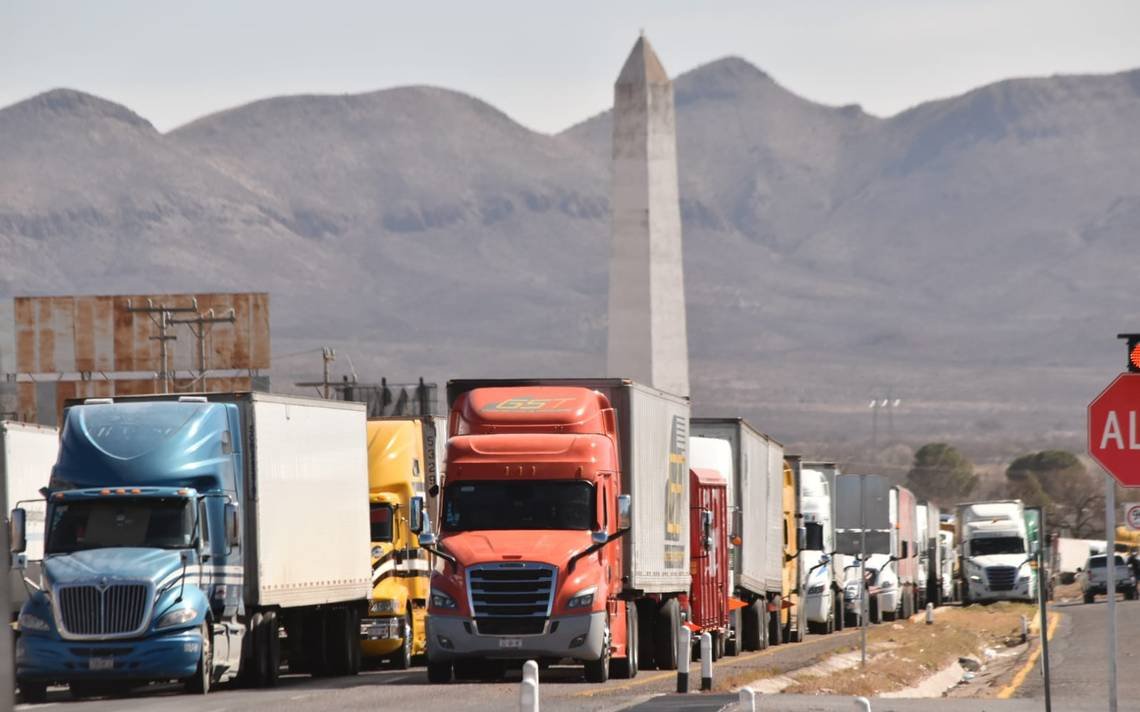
(598, 671)
(839, 616)
(1090, 597)
(269, 643)
(817, 628)
(665, 635)
(753, 618)
(33, 693)
(874, 615)
(402, 659)
(201, 681)
(775, 627)
(732, 638)
(850, 620)
(439, 673)
(626, 668)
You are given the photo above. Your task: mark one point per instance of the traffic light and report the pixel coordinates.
(1133, 351)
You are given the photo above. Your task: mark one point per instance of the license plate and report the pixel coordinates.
(101, 664)
(510, 642)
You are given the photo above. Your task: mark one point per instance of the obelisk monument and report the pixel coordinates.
(647, 335)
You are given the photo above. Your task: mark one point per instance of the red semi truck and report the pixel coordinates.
(564, 528)
(708, 544)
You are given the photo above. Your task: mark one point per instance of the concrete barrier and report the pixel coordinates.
(706, 661)
(528, 692)
(747, 700)
(862, 704)
(684, 654)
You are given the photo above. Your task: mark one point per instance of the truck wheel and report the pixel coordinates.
(775, 625)
(732, 636)
(874, 616)
(402, 660)
(269, 647)
(1090, 597)
(753, 616)
(599, 670)
(665, 635)
(439, 673)
(839, 616)
(626, 668)
(199, 684)
(33, 693)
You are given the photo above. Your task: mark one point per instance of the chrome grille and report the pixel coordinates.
(511, 590)
(113, 611)
(1001, 578)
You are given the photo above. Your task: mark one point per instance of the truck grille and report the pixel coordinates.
(1001, 578)
(114, 611)
(505, 596)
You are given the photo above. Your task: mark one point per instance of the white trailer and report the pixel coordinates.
(27, 453)
(756, 498)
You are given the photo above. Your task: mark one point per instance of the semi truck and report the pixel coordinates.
(27, 453)
(185, 532)
(865, 518)
(994, 552)
(564, 528)
(764, 529)
(904, 549)
(822, 567)
(708, 547)
(929, 576)
(402, 460)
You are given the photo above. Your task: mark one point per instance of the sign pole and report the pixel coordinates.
(864, 608)
(1110, 568)
(1042, 592)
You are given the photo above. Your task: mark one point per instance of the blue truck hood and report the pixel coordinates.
(114, 564)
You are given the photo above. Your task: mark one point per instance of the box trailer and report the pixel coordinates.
(27, 453)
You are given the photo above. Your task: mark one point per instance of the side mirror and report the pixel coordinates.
(599, 537)
(625, 511)
(824, 559)
(18, 531)
(416, 515)
(233, 526)
(1079, 569)
(801, 538)
(427, 539)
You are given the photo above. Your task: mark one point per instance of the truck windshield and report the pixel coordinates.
(153, 522)
(472, 506)
(1097, 562)
(997, 545)
(381, 518)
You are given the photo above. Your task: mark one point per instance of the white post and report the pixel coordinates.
(1024, 629)
(930, 614)
(528, 693)
(747, 700)
(862, 704)
(1110, 566)
(706, 661)
(684, 652)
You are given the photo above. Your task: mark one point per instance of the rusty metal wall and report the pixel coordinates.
(72, 334)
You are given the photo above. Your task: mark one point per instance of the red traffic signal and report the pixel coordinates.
(1133, 351)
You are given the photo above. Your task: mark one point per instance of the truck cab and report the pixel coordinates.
(995, 557)
(823, 598)
(398, 467)
(142, 552)
(526, 562)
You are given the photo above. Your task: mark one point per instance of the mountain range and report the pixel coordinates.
(971, 256)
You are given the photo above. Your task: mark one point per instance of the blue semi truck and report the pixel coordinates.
(199, 539)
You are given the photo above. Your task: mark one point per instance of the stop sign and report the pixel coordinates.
(1114, 429)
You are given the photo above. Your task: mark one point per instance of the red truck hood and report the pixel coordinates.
(551, 547)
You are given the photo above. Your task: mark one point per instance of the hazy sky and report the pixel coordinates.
(547, 65)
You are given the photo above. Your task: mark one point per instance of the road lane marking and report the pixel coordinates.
(1019, 679)
(726, 661)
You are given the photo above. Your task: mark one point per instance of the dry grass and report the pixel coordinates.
(919, 650)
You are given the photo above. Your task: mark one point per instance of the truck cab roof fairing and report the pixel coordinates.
(125, 444)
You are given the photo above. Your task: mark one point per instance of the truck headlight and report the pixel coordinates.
(182, 616)
(582, 599)
(439, 599)
(386, 605)
(28, 621)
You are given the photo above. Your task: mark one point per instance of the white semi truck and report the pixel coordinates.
(823, 568)
(994, 552)
(27, 453)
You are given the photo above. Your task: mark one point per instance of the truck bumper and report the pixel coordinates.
(380, 637)
(982, 593)
(579, 637)
(164, 657)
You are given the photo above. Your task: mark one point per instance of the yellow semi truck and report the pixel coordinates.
(403, 463)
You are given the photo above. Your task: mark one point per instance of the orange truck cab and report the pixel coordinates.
(531, 560)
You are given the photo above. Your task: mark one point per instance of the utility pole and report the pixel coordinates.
(163, 322)
(328, 355)
(198, 325)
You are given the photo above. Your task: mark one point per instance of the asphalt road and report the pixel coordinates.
(562, 688)
(1078, 653)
